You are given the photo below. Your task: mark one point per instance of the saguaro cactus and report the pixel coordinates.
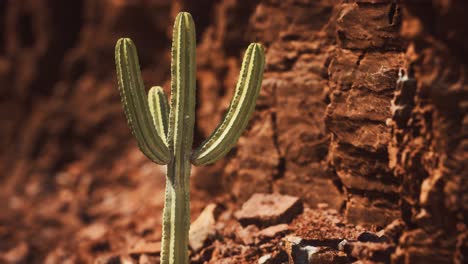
(166, 138)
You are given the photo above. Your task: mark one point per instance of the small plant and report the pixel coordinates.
(165, 134)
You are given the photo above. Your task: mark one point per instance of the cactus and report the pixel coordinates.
(166, 138)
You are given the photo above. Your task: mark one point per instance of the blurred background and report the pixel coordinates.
(363, 110)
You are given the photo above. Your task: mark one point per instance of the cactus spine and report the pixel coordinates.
(166, 138)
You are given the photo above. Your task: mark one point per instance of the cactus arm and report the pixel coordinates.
(135, 103)
(240, 109)
(176, 216)
(159, 109)
(183, 81)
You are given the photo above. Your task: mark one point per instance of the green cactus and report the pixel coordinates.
(166, 138)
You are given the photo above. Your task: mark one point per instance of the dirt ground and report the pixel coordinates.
(357, 151)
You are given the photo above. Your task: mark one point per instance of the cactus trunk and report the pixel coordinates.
(176, 220)
(176, 215)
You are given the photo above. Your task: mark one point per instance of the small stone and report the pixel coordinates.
(61, 255)
(367, 237)
(147, 259)
(247, 234)
(294, 249)
(203, 229)
(322, 206)
(299, 252)
(378, 252)
(393, 231)
(273, 231)
(293, 240)
(326, 255)
(205, 255)
(145, 247)
(108, 259)
(342, 245)
(17, 254)
(264, 259)
(126, 260)
(93, 232)
(371, 237)
(269, 209)
(309, 251)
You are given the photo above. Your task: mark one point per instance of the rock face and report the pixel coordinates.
(363, 109)
(429, 145)
(362, 79)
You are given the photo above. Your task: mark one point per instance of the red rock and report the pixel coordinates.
(367, 236)
(147, 259)
(108, 259)
(300, 252)
(378, 252)
(393, 231)
(127, 260)
(326, 226)
(17, 254)
(367, 26)
(204, 227)
(326, 255)
(248, 234)
(93, 232)
(145, 247)
(265, 259)
(254, 169)
(371, 211)
(273, 231)
(269, 209)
